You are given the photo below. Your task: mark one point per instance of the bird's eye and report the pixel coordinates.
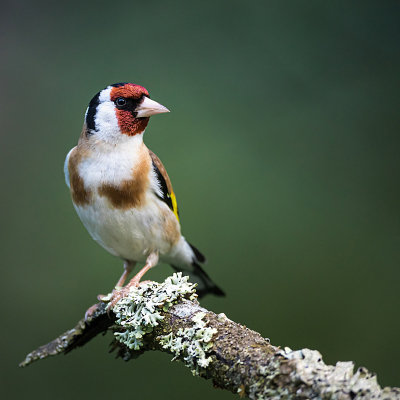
(120, 102)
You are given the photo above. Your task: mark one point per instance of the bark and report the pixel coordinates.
(234, 357)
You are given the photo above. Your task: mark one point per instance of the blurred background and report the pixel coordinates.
(283, 148)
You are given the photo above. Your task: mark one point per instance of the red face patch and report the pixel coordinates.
(129, 90)
(128, 124)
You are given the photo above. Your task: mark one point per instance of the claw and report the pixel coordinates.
(90, 311)
(118, 295)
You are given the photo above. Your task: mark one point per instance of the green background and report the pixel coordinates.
(283, 148)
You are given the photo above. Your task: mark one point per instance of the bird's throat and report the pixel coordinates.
(129, 125)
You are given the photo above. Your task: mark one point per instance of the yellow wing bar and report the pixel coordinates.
(174, 205)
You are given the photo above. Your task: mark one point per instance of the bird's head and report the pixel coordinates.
(120, 110)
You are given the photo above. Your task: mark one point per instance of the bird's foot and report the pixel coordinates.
(119, 293)
(91, 310)
(112, 298)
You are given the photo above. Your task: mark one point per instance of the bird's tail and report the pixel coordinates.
(197, 275)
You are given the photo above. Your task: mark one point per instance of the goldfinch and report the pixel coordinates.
(122, 192)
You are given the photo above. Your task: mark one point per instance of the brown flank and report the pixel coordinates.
(80, 195)
(171, 227)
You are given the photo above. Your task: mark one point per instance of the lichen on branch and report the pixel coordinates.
(167, 317)
(139, 312)
(194, 343)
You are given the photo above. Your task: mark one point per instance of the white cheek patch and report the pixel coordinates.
(106, 121)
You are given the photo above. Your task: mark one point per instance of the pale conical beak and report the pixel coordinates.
(149, 107)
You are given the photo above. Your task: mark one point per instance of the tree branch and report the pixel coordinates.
(168, 318)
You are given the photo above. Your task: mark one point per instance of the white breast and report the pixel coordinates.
(111, 163)
(132, 233)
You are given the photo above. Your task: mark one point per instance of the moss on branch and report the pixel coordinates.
(168, 318)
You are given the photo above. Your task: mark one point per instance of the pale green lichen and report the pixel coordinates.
(193, 343)
(332, 381)
(312, 378)
(236, 359)
(139, 312)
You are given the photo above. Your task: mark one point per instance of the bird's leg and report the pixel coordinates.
(128, 267)
(151, 262)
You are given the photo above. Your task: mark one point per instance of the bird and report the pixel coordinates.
(122, 192)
